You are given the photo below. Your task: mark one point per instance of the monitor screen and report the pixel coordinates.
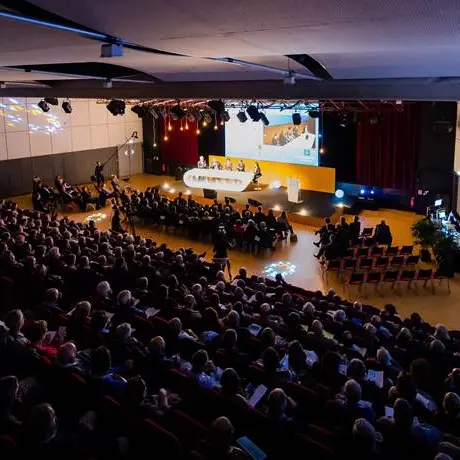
(281, 140)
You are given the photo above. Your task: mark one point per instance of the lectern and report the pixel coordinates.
(293, 189)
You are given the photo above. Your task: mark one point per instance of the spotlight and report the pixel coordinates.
(116, 107)
(296, 119)
(44, 106)
(172, 190)
(188, 192)
(277, 207)
(217, 106)
(303, 212)
(340, 205)
(198, 131)
(339, 193)
(322, 150)
(178, 112)
(139, 110)
(166, 138)
(67, 107)
(222, 123)
(372, 192)
(52, 100)
(242, 116)
(166, 186)
(254, 113)
(264, 119)
(313, 113)
(362, 191)
(216, 127)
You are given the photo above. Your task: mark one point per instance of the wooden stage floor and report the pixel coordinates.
(306, 272)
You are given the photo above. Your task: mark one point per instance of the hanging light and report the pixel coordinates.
(198, 132)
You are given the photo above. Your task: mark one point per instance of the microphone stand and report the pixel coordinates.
(133, 136)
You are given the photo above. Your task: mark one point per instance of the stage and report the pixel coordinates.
(313, 209)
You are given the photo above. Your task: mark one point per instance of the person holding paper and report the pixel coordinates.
(204, 371)
(231, 388)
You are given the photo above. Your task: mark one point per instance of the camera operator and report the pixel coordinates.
(116, 220)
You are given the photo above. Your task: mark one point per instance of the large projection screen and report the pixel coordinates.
(280, 141)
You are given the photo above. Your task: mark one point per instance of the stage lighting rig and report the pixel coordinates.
(139, 110)
(44, 106)
(116, 107)
(67, 107)
(242, 116)
(52, 100)
(253, 113)
(177, 112)
(217, 106)
(296, 119)
(225, 116)
(264, 119)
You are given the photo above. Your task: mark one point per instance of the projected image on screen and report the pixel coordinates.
(282, 140)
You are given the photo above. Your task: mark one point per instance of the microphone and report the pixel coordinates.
(134, 135)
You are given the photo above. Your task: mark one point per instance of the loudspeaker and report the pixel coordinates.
(296, 119)
(208, 193)
(229, 198)
(254, 202)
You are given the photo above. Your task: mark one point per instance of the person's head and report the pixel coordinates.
(317, 327)
(124, 331)
(14, 320)
(420, 371)
(441, 332)
(270, 359)
(52, 296)
(221, 434)
(437, 348)
(40, 425)
(340, 316)
(405, 387)
(199, 361)
(229, 339)
(364, 435)
(383, 356)
(100, 361)
(451, 404)
(9, 387)
(175, 325)
(296, 354)
(67, 354)
(157, 346)
(277, 402)
(82, 311)
(357, 369)
(135, 391)
(309, 309)
(233, 319)
(125, 299)
(36, 331)
(403, 414)
(230, 382)
(103, 289)
(352, 391)
(267, 337)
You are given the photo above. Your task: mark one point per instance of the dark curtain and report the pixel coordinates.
(181, 146)
(211, 141)
(386, 149)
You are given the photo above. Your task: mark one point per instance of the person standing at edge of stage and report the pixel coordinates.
(99, 173)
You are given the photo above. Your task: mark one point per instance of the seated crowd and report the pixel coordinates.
(46, 198)
(334, 240)
(252, 229)
(114, 346)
